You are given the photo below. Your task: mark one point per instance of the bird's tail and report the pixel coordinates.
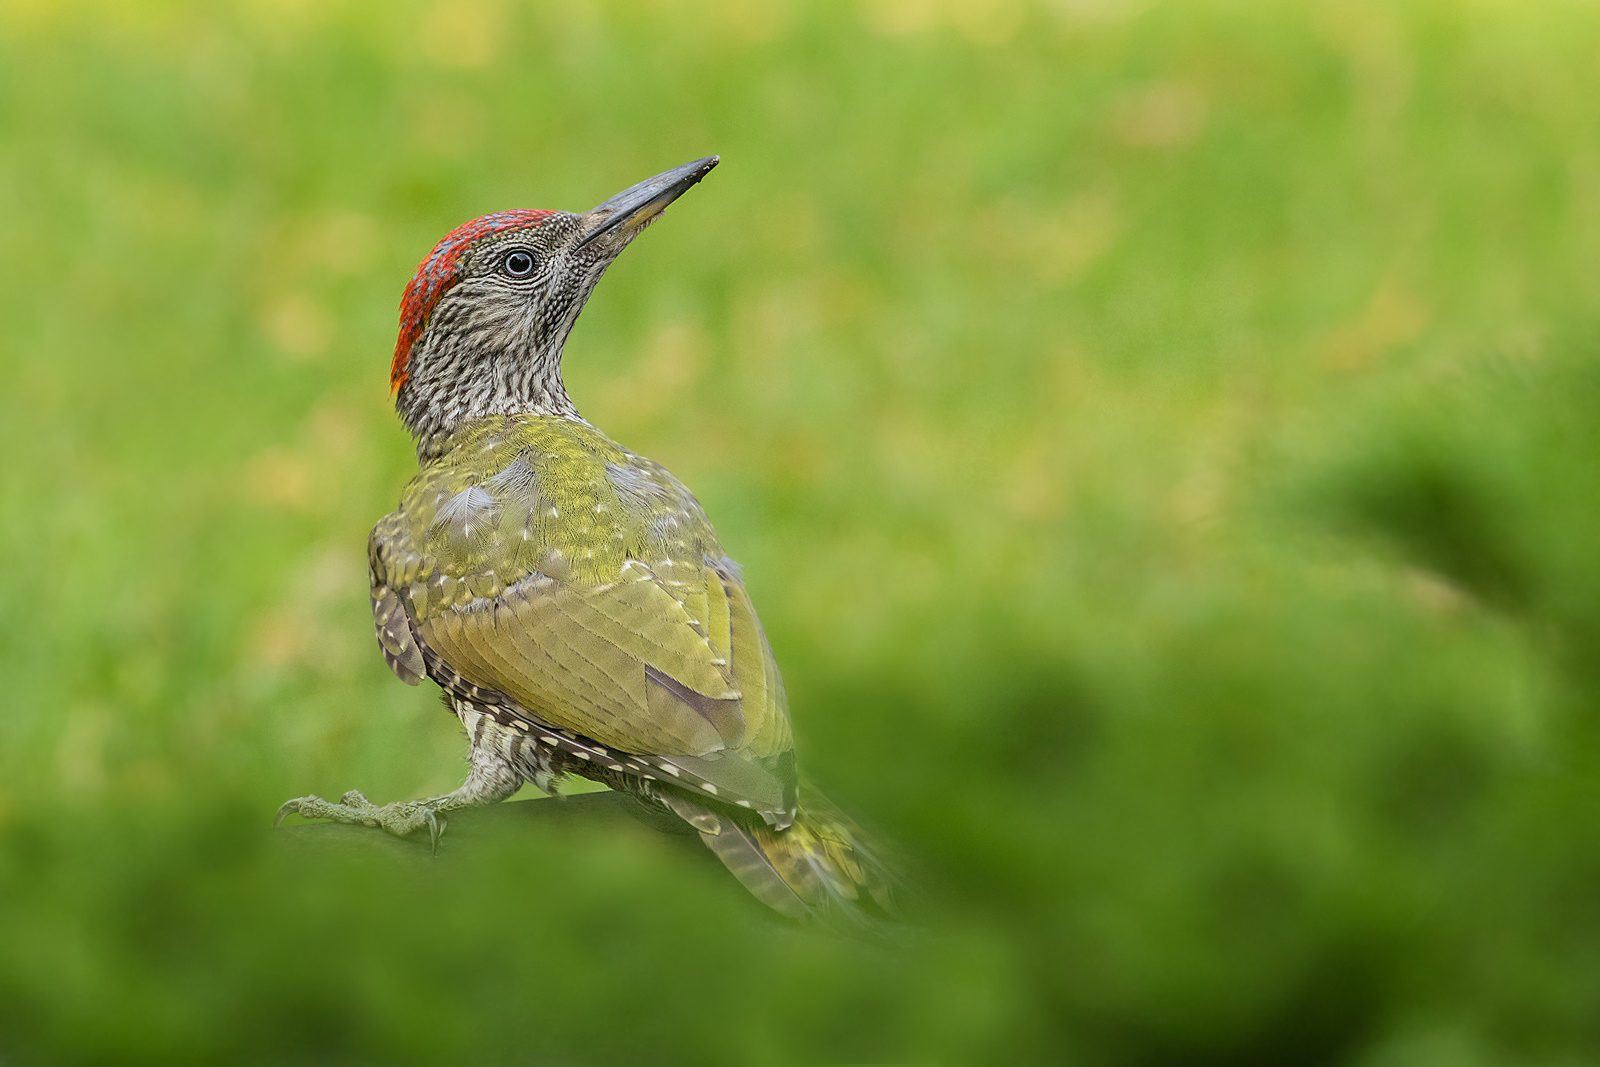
(822, 867)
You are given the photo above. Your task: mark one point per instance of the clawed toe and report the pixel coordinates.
(437, 824)
(297, 806)
(401, 819)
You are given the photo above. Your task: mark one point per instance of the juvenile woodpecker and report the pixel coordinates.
(570, 597)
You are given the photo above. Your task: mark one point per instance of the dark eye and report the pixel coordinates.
(517, 263)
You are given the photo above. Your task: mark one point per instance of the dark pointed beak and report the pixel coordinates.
(635, 208)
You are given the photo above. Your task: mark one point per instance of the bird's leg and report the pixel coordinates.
(491, 778)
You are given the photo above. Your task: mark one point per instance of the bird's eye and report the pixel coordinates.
(517, 263)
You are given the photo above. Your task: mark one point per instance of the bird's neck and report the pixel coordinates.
(437, 407)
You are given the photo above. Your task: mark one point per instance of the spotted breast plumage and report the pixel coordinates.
(570, 597)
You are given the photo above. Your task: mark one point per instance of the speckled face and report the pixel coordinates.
(440, 270)
(516, 292)
(484, 319)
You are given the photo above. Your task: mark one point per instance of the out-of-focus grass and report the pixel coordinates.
(1161, 438)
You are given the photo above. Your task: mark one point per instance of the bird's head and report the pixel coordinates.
(484, 320)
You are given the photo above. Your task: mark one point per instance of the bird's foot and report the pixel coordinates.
(402, 818)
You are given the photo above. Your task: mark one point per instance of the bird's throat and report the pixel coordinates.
(436, 412)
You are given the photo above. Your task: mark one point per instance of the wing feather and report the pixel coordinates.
(665, 660)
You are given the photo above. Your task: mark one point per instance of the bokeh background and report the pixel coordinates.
(1163, 439)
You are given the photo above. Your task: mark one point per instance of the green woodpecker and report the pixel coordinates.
(570, 597)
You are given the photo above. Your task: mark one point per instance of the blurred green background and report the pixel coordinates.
(1163, 440)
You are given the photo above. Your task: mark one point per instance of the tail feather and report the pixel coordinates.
(823, 866)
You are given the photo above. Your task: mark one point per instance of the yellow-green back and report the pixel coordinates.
(540, 559)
